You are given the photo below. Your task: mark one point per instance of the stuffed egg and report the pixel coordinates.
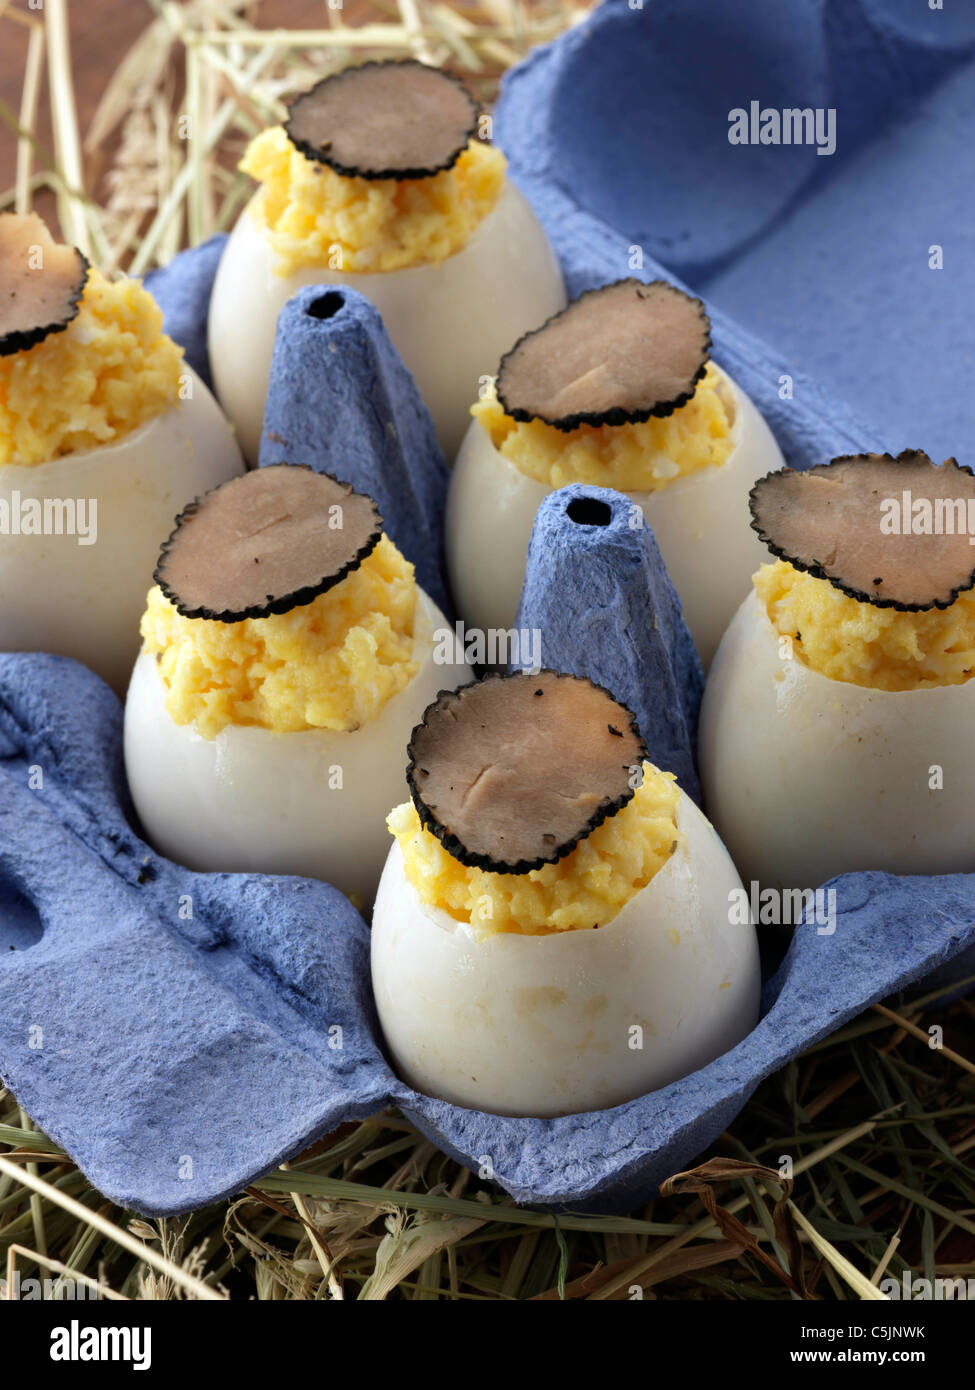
(377, 181)
(617, 391)
(287, 655)
(836, 728)
(105, 434)
(553, 935)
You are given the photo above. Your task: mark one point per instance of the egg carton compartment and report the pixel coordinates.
(159, 1023)
(179, 1033)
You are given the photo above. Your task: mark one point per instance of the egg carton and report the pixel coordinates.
(180, 1033)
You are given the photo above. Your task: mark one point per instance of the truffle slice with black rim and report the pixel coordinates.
(615, 356)
(384, 120)
(512, 772)
(888, 531)
(41, 282)
(266, 542)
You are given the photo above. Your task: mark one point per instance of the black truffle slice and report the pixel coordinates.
(512, 772)
(41, 282)
(384, 120)
(267, 542)
(888, 531)
(615, 356)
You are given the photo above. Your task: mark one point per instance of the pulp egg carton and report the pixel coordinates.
(181, 1033)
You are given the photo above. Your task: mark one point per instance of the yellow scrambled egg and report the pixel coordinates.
(111, 370)
(630, 458)
(856, 642)
(312, 215)
(585, 889)
(330, 664)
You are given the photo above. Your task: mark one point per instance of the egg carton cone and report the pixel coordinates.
(179, 1034)
(618, 622)
(341, 401)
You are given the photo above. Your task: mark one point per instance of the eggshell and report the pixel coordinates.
(85, 601)
(550, 1025)
(807, 777)
(252, 800)
(450, 322)
(701, 523)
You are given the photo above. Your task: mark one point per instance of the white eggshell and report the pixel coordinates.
(701, 523)
(85, 601)
(546, 1025)
(807, 777)
(252, 800)
(450, 322)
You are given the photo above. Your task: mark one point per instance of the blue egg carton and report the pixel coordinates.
(180, 1033)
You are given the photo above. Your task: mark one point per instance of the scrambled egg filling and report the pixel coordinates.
(111, 370)
(585, 889)
(312, 215)
(330, 664)
(630, 458)
(881, 648)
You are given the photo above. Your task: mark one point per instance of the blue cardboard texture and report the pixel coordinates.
(828, 257)
(176, 1032)
(182, 1033)
(182, 290)
(341, 400)
(617, 620)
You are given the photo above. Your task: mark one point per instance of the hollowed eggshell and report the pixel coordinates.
(701, 523)
(450, 322)
(807, 777)
(85, 601)
(582, 1020)
(253, 800)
